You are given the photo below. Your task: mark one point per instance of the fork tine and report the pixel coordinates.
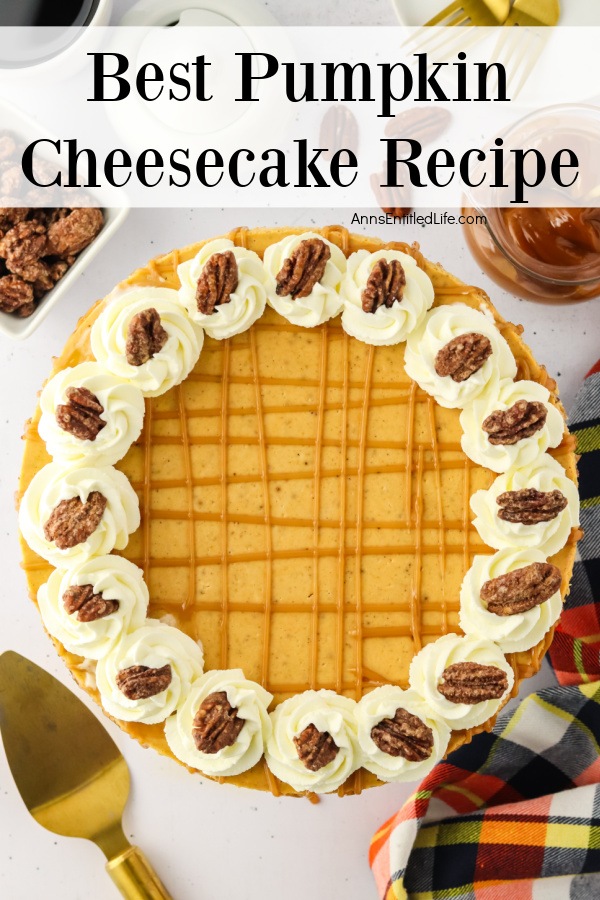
(440, 42)
(444, 14)
(533, 49)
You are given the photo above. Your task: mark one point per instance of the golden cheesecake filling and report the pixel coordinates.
(305, 505)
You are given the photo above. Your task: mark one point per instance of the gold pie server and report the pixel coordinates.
(69, 772)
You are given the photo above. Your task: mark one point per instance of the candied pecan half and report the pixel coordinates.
(315, 748)
(522, 589)
(145, 337)
(140, 682)
(22, 248)
(393, 200)
(11, 215)
(81, 415)
(519, 421)
(216, 723)
(217, 283)
(463, 356)
(81, 599)
(303, 269)
(471, 682)
(404, 735)
(339, 130)
(72, 522)
(11, 180)
(530, 506)
(16, 296)
(384, 285)
(71, 234)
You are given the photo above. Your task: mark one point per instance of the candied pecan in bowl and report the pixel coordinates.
(16, 296)
(71, 234)
(23, 247)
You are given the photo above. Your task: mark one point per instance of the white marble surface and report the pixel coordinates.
(208, 840)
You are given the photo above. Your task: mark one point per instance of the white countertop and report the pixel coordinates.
(211, 841)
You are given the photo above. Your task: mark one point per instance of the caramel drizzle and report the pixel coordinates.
(466, 515)
(223, 514)
(359, 541)
(360, 521)
(324, 607)
(339, 643)
(440, 511)
(415, 606)
(251, 519)
(314, 628)
(187, 462)
(146, 489)
(267, 504)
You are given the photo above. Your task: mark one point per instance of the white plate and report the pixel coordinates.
(12, 326)
(573, 12)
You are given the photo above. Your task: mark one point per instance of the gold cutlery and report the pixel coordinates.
(522, 44)
(69, 772)
(472, 12)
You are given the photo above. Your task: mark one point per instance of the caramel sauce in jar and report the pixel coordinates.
(546, 254)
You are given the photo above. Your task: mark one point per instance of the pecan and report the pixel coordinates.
(421, 123)
(81, 599)
(471, 682)
(10, 180)
(72, 522)
(384, 286)
(463, 356)
(217, 282)
(22, 248)
(315, 748)
(145, 337)
(404, 735)
(522, 589)
(81, 415)
(8, 146)
(16, 296)
(71, 234)
(530, 506)
(393, 200)
(216, 723)
(11, 215)
(339, 130)
(140, 682)
(303, 269)
(520, 421)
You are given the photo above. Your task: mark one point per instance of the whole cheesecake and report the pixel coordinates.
(357, 509)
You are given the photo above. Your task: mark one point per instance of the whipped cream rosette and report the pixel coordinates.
(242, 305)
(169, 360)
(148, 673)
(535, 508)
(314, 743)
(100, 437)
(514, 627)
(399, 735)
(387, 324)
(69, 513)
(222, 725)
(463, 680)
(466, 346)
(512, 428)
(314, 302)
(108, 597)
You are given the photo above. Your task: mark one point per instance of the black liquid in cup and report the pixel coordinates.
(47, 13)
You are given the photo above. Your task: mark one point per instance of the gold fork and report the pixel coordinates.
(445, 44)
(524, 43)
(474, 12)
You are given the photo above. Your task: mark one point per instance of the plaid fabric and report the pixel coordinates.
(515, 815)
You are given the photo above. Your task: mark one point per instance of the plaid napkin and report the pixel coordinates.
(516, 814)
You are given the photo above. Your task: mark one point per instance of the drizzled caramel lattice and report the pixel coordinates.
(305, 506)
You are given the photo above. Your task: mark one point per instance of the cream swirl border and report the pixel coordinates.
(360, 756)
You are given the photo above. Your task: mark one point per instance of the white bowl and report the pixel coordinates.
(13, 326)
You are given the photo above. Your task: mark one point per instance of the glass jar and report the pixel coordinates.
(550, 254)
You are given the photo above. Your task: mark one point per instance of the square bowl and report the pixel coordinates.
(11, 325)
